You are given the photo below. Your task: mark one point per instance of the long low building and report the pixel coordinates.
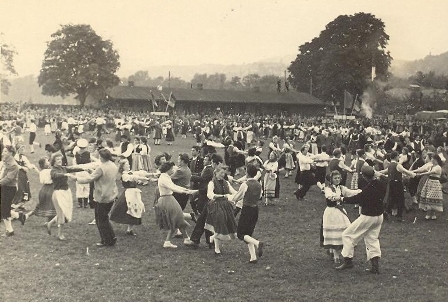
(206, 100)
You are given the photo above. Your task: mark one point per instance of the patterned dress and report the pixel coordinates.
(431, 195)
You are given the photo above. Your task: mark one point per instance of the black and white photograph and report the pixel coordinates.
(211, 150)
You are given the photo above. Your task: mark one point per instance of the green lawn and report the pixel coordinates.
(38, 267)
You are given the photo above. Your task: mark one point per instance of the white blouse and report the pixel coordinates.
(211, 189)
(271, 166)
(339, 191)
(167, 187)
(45, 177)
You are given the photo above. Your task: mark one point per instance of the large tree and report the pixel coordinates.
(341, 58)
(78, 61)
(7, 68)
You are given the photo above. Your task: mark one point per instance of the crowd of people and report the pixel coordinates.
(369, 163)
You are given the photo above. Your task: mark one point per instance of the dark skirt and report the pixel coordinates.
(248, 220)
(7, 194)
(395, 196)
(45, 207)
(23, 193)
(119, 210)
(221, 219)
(169, 135)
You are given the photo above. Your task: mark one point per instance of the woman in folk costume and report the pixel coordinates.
(271, 183)
(82, 156)
(128, 208)
(289, 151)
(23, 193)
(335, 219)
(431, 195)
(45, 207)
(220, 219)
(157, 133)
(141, 160)
(62, 195)
(358, 182)
(169, 215)
(137, 160)
(169, 133)
(47, 127)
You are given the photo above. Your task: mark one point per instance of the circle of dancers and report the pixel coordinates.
(381, 164)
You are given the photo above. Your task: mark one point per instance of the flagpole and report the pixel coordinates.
(353, 104)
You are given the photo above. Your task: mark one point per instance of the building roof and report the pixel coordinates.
(216, 96)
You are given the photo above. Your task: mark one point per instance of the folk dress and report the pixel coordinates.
(221, 219)
(128, 208)
(335, 219)
(45, 207)
(431, 195)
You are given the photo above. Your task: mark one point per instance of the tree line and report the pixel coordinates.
(207, 81)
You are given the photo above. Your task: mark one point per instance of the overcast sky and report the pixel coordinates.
(194, 32)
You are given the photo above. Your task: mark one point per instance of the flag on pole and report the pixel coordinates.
(153, 100)
(357, 104)
(163, 96)
(172, 100)
(348, 100)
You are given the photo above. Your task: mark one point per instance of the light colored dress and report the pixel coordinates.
(271, 182)
(335, 219)
(431, 195)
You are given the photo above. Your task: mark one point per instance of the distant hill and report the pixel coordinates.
(267, 66)
(438, 64)
(26, 89)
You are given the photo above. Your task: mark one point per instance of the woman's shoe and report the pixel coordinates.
(169, 245)
(253, 261)
(131, 233)
(433, 217)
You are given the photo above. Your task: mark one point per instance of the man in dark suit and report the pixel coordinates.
(368, 224)
(211, 162)
(196, 161)
(196, 167)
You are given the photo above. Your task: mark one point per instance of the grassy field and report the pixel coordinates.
(38, 267)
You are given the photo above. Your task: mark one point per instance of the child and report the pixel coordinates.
(250, 192)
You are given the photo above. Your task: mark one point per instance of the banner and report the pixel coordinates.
(348, 100)
(172, 100)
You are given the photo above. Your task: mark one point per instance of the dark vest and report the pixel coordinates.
(393, 173)
(334, 165)
(359, 165)
(252, 194)
(82, 158)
